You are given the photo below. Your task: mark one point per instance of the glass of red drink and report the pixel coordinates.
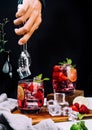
(64, 78)
(30, 96)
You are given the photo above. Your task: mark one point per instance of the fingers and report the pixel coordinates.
(29, 33)
(29, 15)
(28, 24)
(23, 8)
(22, 15)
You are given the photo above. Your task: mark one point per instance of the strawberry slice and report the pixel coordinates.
(56, 68)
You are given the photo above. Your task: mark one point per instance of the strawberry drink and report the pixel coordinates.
(64, 77)
(30, 96)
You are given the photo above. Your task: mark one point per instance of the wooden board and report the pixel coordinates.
(36, 118)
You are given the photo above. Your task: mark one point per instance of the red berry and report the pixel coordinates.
(55, 75)
(83, 109)
(77, 105)
(31, 87)
(62, 76)
(74, 108)
(56, 68)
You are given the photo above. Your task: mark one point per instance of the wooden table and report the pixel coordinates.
(36, 118)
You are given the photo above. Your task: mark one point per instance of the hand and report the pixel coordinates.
(29, 15)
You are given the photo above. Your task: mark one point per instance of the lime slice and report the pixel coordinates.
(81, 100)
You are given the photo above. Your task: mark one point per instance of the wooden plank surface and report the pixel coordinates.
(36, 118)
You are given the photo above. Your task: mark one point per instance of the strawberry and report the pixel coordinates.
(56, 68)
(31, 87)
(77, 105)
(74, 108)
(62, 76)
(83, 109)
(55, 75)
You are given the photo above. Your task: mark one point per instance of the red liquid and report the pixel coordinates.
(30, 96)
(64, 78)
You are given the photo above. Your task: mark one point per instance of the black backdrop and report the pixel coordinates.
(63, 33)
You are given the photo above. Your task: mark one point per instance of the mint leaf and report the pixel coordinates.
(39, 78)
(45, 79)
(81, 116)
(68, 61)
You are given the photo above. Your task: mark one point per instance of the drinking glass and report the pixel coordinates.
(30, 95)
(64, 79)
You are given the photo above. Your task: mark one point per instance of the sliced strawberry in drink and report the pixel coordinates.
(62, 76)
(40, 96)
(56, 68)
(55, 75)
(40, 102)
(31, 87)
(55, 84)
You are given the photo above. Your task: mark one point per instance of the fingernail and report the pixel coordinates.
(20, 43)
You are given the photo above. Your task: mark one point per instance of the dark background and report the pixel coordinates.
(62, 34)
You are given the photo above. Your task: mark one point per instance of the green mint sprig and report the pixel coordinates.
(81, 116)
(67, 62)
(39, 78)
